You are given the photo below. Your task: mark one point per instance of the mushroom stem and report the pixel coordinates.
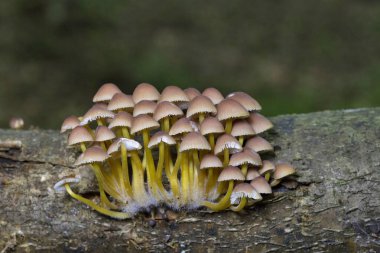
(138, 178)
(100, 122)
(211, 140)
(241, 140)
(244, 169)
(99, 177)
(168, 162)
(113, 214)
(201, 117)
(166, 125)
(228, 126)
(125, 132)
(241, 205)
(125, 171)
(200, 174)
(211, 180)
(160, 166)
(226, 159)
(185, 177)
(149, 164)
(174, 176)
(224, 202)
(267, 176)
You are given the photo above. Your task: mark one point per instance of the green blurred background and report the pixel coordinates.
(293, 56)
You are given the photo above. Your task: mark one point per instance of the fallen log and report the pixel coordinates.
(334, 206)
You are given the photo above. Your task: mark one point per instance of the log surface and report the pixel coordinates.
(334, 208)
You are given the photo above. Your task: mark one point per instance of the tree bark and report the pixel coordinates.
(334, 207)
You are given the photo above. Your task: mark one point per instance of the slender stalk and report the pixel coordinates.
(244, 169)
(99, 177)
(138, 178)
(113, 214)
(228, 126)
(174, 176)
(224, 202)
(241, 205)
(201, 117)
(149, 164)
(185, 178)
(166, 125)
(241, 140)
(160, 166)
(125, 170)
(125, 132)
(211, 140)
(267, 176)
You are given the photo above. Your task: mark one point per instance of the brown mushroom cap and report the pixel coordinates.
(259, 123)
(121, 101)
(230, 109)
(259, 144)
(248, 102)
(159, 137)
(200, 104)
(92, 155)
(106, 92)
(244, 190)
(213, 94)
(283, 170)
(181, 126)
(252, 174)
(192, 93)
(103, 133)
(145, 91)
(211, 125)
(268, 166)
(173, 94)
(210, 161)
(121, 119)
(69, 123)
(261, 185)
(194, 141)
(144, 107)
(166, 109)
(242, 128)
(97, 111)
(143, 122)
(227, 141)
(231, 173)
(79, 135)
(245, 157)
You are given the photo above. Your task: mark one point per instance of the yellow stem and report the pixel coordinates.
(125, 132)
(166, 125)
(201, 117)
(211, 140)
(241, 140)
(228, 126)
(160, 165)
(267, 176)
(138, 178)
(223, 202)
(226, 159)
(185, 177)
(113, 214)
(99, 177)
(241, 205)
(125, 171)
(174, 176)
(149, 164)
(83, 147)
(244, 169)
(100, 122)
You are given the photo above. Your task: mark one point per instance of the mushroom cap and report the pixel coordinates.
(121, 101)
(230, 109)
(267, 166)
(143, 122)
(173, 94)
(231, 173)
(213, 94)
(244, 190)
(261, 185)
(211, 125)
(181, 126)
(97, 111)
(259, 144)
(79, 135)
(191, 93)
(144, 107)
(145, 91)
(248, 102)
(210, 161)
(129, 144)
(159, 137)
(200, 104)
(283, 170)
(245, 157)
(70, 123)
(252, 174)
(166, 109)
(121, 119)
(242, 128)
(103, 133)
(259, 123)
(194, 140)
(94, 154)
(105, 92)
(227, 141)
(60, 185)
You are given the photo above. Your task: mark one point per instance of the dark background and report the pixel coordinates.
(292, 56)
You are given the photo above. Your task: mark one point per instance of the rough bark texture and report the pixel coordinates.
(334, 208)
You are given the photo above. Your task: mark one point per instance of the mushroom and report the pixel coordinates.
(199, 107)
(214, 95)
(240, 194)
(69, 123)
(282, 170)
(259, 123)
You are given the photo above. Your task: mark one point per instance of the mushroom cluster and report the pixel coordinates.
(206, 149)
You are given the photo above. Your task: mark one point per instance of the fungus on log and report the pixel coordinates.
(333, 205)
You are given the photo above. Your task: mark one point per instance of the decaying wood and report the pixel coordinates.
(334, 208)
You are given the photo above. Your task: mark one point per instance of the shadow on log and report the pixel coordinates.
(334, 208)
